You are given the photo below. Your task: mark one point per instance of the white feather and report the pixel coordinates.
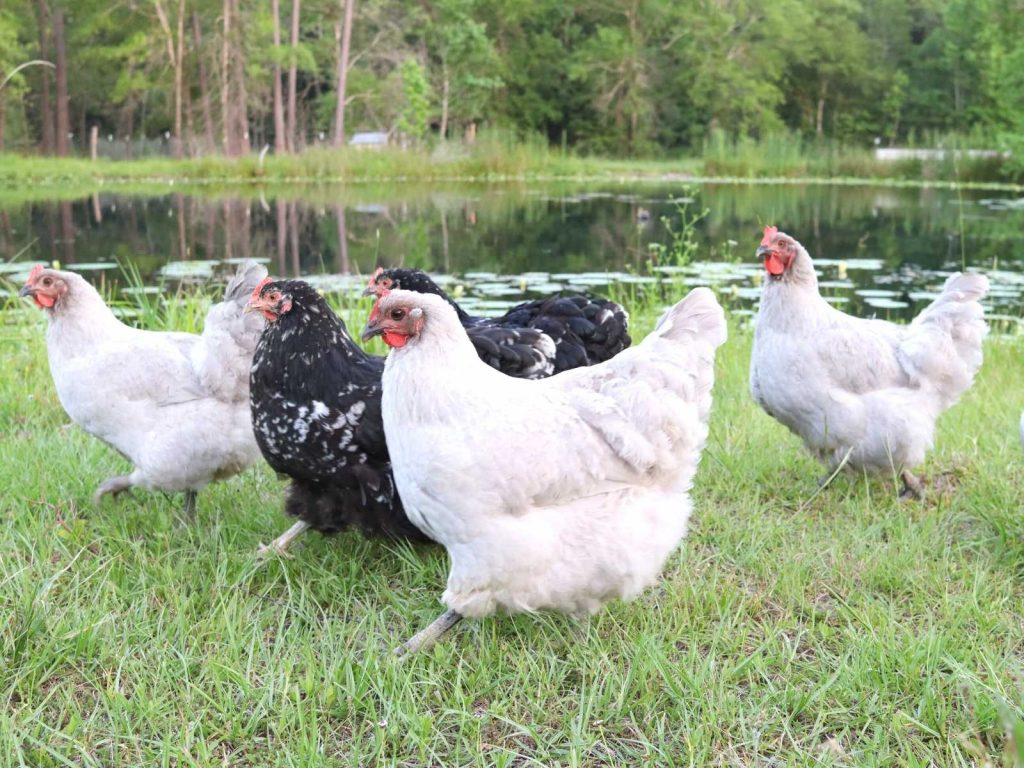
(555, 494)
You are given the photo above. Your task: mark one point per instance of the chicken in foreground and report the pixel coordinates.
(533, 339)
(559, 494)
(315, 398)
(862, 394)
(176, 405)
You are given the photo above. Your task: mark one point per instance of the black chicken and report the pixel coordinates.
(564, 331)
(316, 411)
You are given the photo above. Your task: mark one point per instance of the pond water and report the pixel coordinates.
(880, 250)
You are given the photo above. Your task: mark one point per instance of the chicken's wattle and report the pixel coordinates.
(393, 339)
(774, 264)
(43, 301)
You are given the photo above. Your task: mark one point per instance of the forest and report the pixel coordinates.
(618, 78)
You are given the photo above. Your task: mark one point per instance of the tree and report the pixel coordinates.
(13, 58)
(415, 112)
(280, 142)
(343, 56)
(615, 64)
(293, 73)
(175, 42)
(63, 137)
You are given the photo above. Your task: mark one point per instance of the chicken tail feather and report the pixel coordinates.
(944, 343)
(247, 276)
(699, 314)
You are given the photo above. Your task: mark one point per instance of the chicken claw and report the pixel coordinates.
(913, 488)
(426, 637)
(281, 544)
(115, 485)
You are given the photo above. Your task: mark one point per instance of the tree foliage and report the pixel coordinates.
(609, 76)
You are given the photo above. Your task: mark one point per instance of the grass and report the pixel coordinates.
(792, 627)
(788, 155)
(494, 157)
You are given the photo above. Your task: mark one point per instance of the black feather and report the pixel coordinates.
(316, 412)
(584, 329)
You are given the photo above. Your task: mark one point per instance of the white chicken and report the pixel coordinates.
(863, 394)
(554, 494)
(176, 405)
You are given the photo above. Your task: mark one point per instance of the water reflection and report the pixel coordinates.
(880, 250)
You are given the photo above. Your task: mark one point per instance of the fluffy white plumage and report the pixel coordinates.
(865, 391)
(556, 494)
(174, 404)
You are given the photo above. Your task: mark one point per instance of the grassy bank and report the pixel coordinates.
(833, 628)
(774, 160)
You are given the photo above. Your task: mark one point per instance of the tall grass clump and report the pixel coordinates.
(789, 155)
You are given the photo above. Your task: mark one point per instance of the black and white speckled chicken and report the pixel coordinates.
(533, 339)
(315, 397)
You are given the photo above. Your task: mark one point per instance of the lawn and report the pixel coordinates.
(793, 627)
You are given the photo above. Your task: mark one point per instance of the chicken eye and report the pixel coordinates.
(273, 296)
(47, 281)
(397, 314)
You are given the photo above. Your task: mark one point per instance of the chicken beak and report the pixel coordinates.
(762, 251)
(27, 290)
(371, 290)
(253, 306)
(371, 329)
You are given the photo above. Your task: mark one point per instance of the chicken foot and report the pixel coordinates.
(115, 485)
(913, 487)
(281, 544)
(426, 637)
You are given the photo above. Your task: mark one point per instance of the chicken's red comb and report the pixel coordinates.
(376, 304)
(259, 287)
(769, 233)
(374, 276)
(36, 271)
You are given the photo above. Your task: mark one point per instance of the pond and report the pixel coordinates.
(880, 250)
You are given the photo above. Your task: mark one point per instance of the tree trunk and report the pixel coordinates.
(204, 84)
(176, 55)
(293, 74)
(346, 40)
(62, 143)
(45, 105)
(241, 100)
(94, 142)
(280, 144)
(819, 121)
(444, 102)
(179, 79)
(225, 84)
(190, 128)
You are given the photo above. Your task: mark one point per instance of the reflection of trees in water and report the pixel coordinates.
(507, 229)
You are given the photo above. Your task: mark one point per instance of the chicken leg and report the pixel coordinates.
(189, 511)
(913, 488)
(431, 634)
(281, 544)
(115, 485)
